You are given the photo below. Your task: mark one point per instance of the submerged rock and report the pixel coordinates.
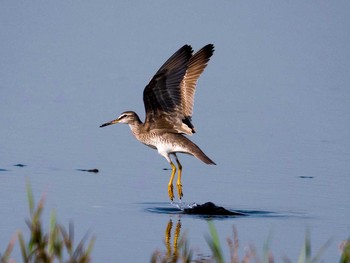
(210, 209)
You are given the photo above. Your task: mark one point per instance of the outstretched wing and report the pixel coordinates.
(196, 66)
(169, 96)
(162, 96)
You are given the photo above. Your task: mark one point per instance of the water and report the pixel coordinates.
(272, 110)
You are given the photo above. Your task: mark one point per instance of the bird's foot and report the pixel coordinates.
(179, 190)
(171, 192)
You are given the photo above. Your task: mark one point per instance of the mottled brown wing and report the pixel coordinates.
(196, 66)
(162, 96)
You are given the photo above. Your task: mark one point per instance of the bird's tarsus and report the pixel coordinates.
(179, 191)
(171, 192)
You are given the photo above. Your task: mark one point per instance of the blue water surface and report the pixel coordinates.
(272, 110)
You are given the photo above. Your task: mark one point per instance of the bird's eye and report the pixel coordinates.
(123, 116)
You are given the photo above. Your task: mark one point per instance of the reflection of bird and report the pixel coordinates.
(168, 100)
(172, 253)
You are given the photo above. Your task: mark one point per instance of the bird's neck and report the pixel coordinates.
(136, 126)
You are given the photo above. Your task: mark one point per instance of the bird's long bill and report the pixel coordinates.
(109, 123)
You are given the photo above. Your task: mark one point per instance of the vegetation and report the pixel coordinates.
(47, 247)
(184, 254)
(58, 244)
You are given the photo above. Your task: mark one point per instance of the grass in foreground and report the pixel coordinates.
(57, 245)
(182, 253)
(51, 246)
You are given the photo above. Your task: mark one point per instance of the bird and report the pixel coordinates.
(168, 100)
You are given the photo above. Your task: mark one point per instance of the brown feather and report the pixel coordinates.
(169, 96)
(196, 66)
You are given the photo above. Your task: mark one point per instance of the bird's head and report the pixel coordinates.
(127, 117)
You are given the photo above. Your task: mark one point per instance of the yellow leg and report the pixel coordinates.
(178, 182)
(170, 185)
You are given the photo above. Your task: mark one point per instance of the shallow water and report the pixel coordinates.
(112, 207)
(272, 110)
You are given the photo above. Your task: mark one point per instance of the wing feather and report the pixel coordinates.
(196, 66)
(169, 96)
(162, 96)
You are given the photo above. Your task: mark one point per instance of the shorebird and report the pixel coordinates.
(168, 100)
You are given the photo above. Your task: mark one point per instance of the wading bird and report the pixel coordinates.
(168, 100)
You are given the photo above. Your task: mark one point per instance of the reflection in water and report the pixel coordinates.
(176, 246)
(172, 253)
(172, 246)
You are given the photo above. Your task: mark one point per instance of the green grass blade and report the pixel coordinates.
(30, 198)
(53, 233)
(90, 246)
(22, 245)
(214, 243)
(305, 254)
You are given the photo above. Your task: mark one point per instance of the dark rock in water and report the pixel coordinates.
(3, 170)
(89, 170)
(210, 209)
(20, 165)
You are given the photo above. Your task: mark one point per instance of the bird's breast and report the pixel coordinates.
(164, 143)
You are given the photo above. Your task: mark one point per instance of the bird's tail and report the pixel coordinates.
(202, 156)
(199, 154)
